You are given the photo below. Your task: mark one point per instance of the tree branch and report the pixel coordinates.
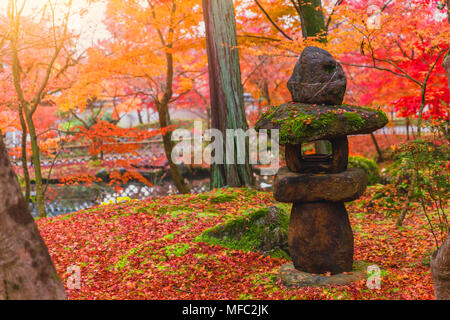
(272, 22)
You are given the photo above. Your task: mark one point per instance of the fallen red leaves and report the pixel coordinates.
(146, 250)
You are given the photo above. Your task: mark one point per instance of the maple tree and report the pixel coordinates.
(37, 67)
(352, 37)
(151, 54)
(407, 46)
(412, 51)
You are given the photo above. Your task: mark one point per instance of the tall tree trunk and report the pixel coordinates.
(415, 172)
(40, 203)
(26, 269)
(24, 158)
(226, 91)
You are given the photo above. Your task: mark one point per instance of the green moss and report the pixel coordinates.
(369, 166)
(249, 192)
(220, 196)
(123, 261)
(354, 120)
(248, 233)
(177, 250)
(169, 236)
(304, 122)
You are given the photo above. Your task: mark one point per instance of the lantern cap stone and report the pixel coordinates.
(300, 122)
(317, 78)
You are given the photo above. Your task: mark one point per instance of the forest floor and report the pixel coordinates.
(147, 250)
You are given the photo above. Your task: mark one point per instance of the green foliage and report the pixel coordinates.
(70, 125)
(429, 161)
(249, 232)
(425, 157)
(384, 199)
(369, 166)
(73, 124)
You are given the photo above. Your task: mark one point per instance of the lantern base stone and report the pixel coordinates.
(291, 277)
(320, 237)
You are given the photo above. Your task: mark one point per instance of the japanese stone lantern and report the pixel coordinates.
(318, 183)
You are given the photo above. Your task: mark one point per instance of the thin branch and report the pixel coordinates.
(258, 37)
(382, 69)
(273, 22)
(254, 70)
(338, 3)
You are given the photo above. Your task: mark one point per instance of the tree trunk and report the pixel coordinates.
(266, 92)
(226, 91)
(24, 158)
(409, 197)
(164, 121)
(26, 269)
(377, 147)
(407, 128)
(163, 103)
(440, 270)
(446, 65)
(448, 11)
(40, 204)
(141, 121)
(312, 19)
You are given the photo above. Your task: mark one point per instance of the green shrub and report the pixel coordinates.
(369, 166)
(428, 161)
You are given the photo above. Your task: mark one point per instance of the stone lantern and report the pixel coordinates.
(318, 183)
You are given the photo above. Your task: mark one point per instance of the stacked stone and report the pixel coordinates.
(320, 235)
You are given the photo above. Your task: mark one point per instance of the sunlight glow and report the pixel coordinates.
(86, 20)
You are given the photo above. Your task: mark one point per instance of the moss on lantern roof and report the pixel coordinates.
(300, 122)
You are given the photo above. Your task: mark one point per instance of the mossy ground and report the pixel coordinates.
(147, 250)
(247, 233)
